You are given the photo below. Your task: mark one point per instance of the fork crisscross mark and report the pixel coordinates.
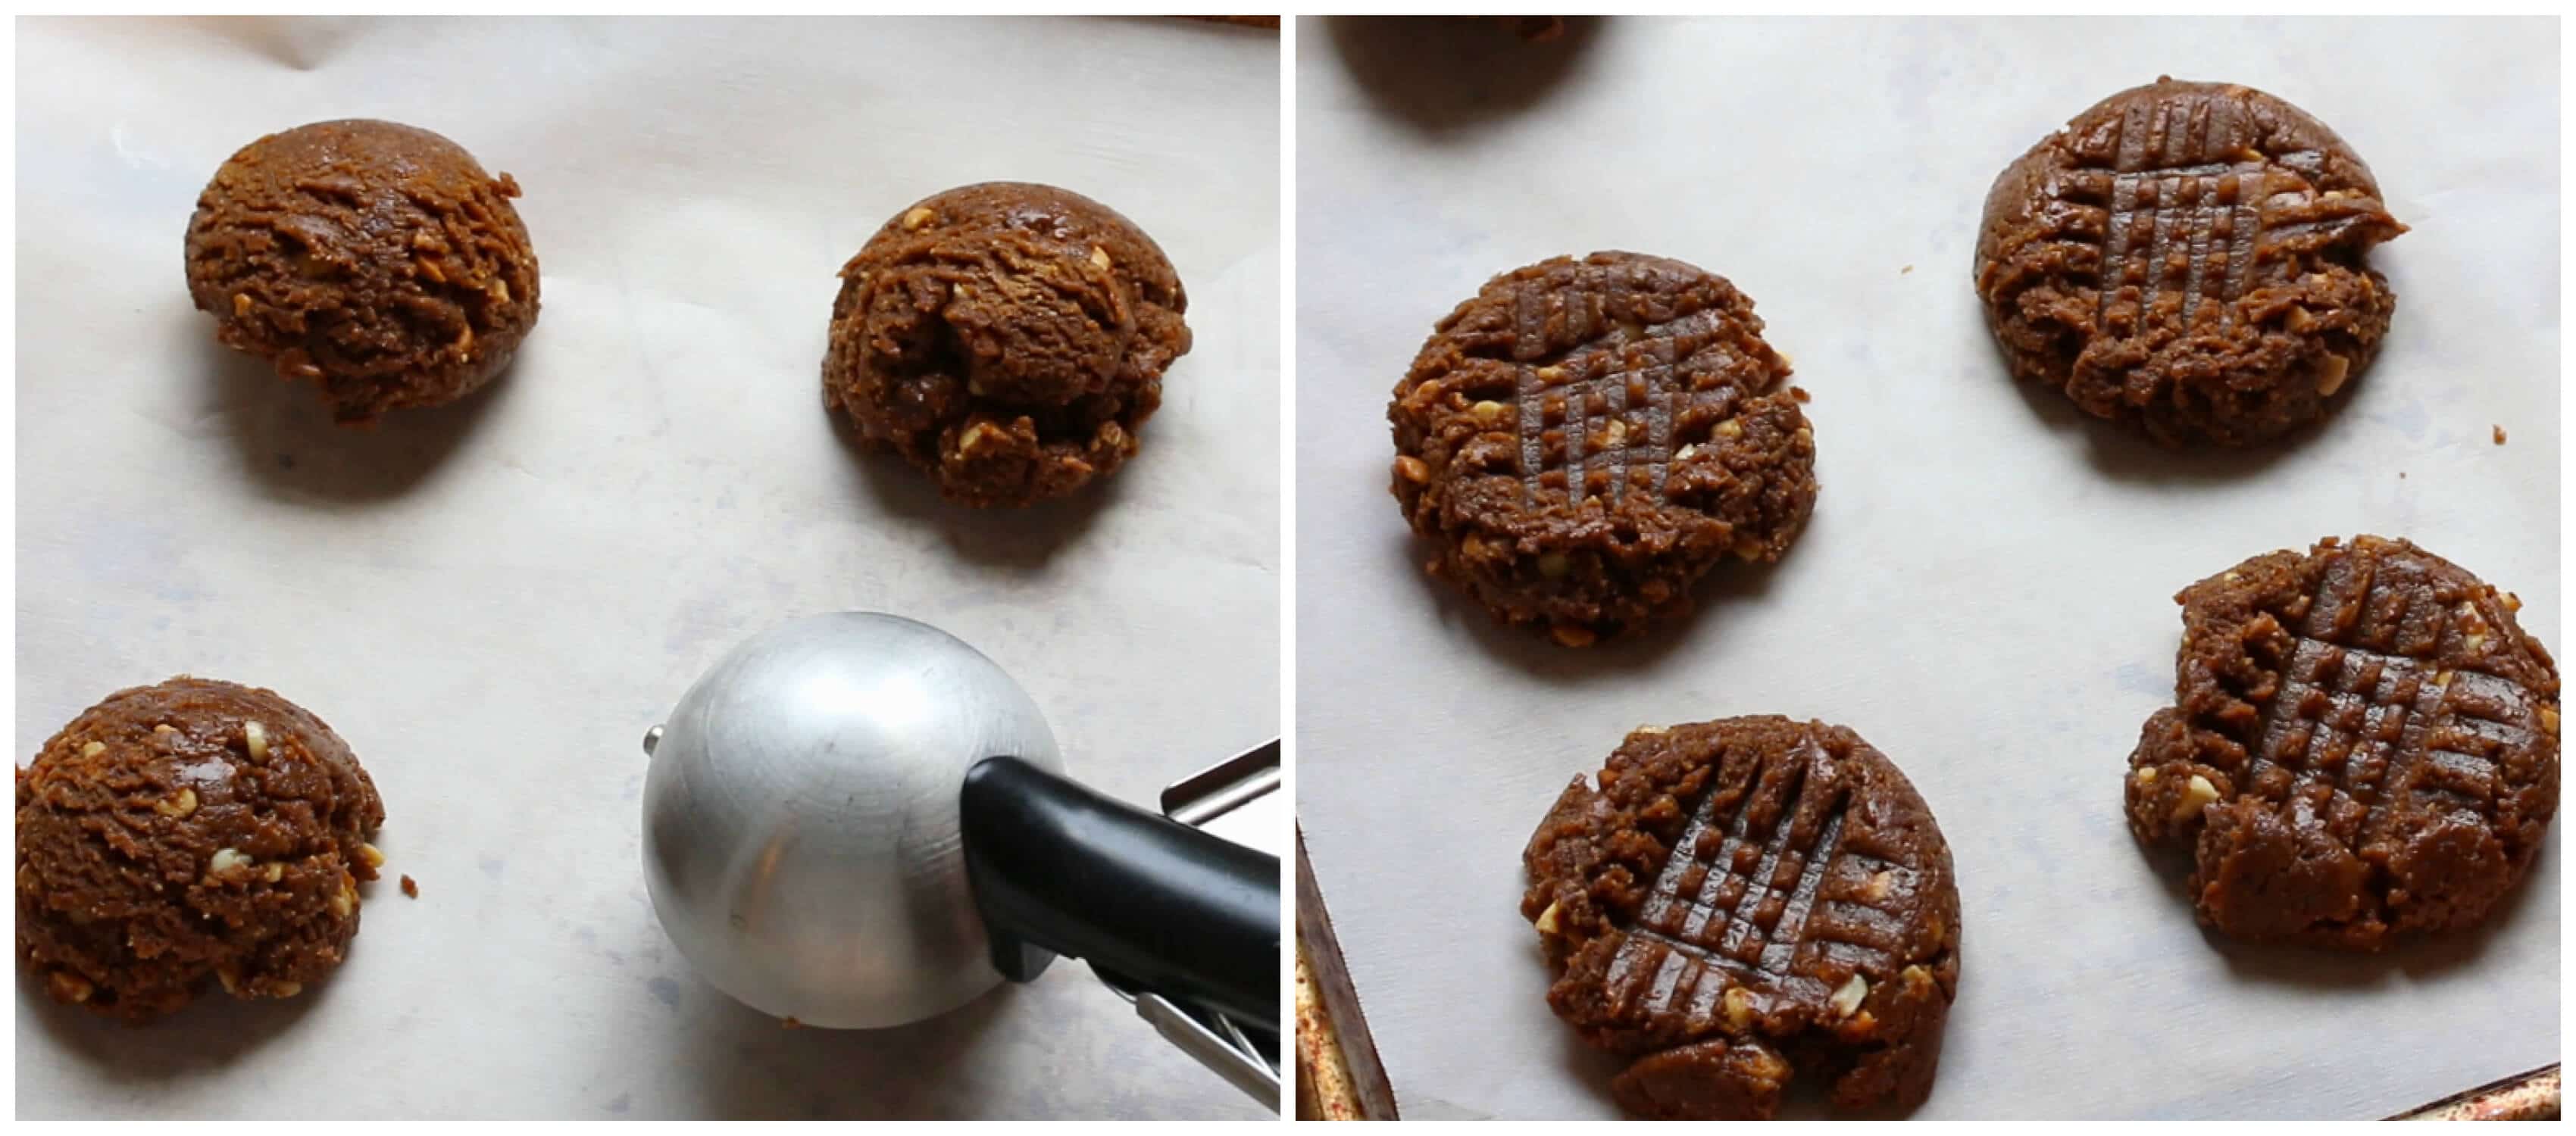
(2376, 728)
(2167, 189)
(1621, 401)
(1738, 904)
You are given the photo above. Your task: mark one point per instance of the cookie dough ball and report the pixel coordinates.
(2190, 258)
(1742, 901)
(377, 260)
(1585, 439)
(190, 831)
(1007, 338)
(2363, 742)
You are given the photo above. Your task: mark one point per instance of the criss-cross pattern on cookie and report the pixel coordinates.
(2174, 204)
(1762, 884)
(2355, 725)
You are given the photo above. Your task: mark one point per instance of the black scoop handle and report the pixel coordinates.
(1155, 904)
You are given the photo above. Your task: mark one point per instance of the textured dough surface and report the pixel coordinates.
(2363, 742)
(1744, 900)
(1007, 338)
(374, 259)
(189, 831)
(1585, 439)
(2192, 259)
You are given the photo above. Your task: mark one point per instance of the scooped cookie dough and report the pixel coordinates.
(1744, 900)
(187, 832)
(374, 259)
(2363, 742)
(2192, 259)
(1008, 339)
(1582, 440)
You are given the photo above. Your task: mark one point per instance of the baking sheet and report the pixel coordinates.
(1984, 590)
(491, 602)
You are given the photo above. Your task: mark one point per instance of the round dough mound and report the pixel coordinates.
(163, 840)
(1007, 338)
(2363, 743)
(2191, 258)
(373, 258)
(1741, 900)
(1584, 439)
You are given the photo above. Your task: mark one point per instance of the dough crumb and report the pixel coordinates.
(409, 888)
(1908, 270)
(2499, 435)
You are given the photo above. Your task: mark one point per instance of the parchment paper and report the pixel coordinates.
(493, 601)
(1984, 590)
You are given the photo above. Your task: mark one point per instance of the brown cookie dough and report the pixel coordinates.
(2363, 742)
(190, 830)
(1584, 439)
(1741, 900)
(373, 258)
(2191, 258)
(1008, 338)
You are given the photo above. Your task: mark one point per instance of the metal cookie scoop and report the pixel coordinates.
(857, 821)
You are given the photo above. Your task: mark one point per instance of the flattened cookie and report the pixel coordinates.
(1742, 900)
(2191, 258)
(2363, 742)
(1007, 338)
(1584, 439)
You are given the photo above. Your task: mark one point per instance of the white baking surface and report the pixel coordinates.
(491, 602)
(1984, 589)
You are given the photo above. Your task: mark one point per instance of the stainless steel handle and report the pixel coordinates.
(1231, 1055)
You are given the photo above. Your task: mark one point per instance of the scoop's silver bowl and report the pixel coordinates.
(800, 818)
